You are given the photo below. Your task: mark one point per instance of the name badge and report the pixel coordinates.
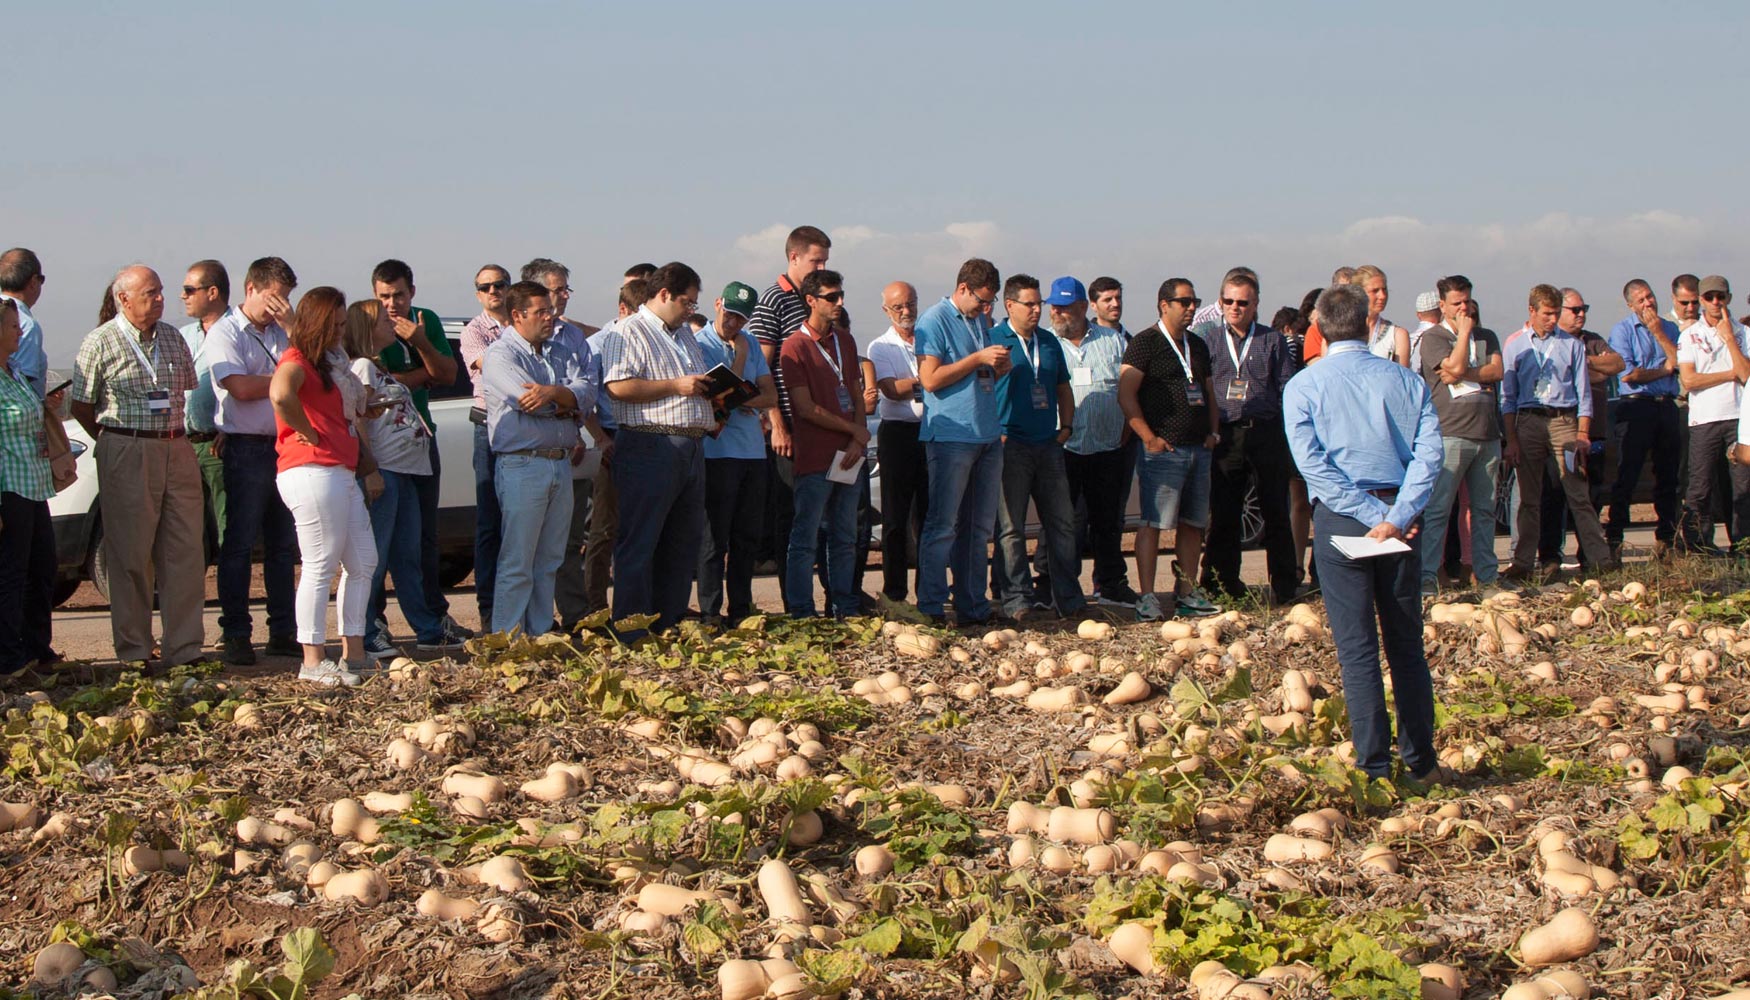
(1081, 376)
(844, 400)
(1545, 387)
(158, 401)
(1040, 400)
(987, 379)
(1236, 390)
(1194, 394)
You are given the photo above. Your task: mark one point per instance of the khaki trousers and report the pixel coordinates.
(598, 552)
(1543, 440)
(152, 520)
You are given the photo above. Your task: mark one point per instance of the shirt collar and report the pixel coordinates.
(656, 320)
(23, 309)
(128, 329)
(1345, 347)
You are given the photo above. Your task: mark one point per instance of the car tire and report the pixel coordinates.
(1251, 518)
(452, 570)
(1503, 501)
(96, 565)
(64, 591)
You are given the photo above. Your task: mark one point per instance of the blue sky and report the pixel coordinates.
(1574, 143)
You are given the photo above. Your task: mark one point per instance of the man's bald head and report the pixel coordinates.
(139, 296)
(900, 301)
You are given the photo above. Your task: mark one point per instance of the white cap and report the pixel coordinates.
(1427, 302)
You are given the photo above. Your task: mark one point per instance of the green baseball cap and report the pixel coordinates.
(740, 299)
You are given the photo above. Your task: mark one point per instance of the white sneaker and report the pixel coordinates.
(329, 674)
(1148, 609)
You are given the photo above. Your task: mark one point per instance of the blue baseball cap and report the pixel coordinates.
(1066, 292)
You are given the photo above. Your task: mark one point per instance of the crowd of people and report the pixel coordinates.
(737, 428)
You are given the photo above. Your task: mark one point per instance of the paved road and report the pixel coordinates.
(82, 624)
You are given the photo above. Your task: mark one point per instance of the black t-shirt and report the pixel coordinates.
(1162, 395)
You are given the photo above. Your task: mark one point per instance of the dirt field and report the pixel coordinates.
(1194, 769)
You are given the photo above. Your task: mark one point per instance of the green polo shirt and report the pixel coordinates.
(397, 358)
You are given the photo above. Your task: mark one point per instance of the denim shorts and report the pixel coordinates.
(1173, 486)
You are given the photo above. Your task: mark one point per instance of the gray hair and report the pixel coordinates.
(18, 268)
(1575, 292)
(540, 267)
(1342, 313)
(1341, 276)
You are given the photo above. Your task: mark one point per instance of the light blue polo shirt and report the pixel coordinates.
(1028, 415)
(741, 437)
(965, 412)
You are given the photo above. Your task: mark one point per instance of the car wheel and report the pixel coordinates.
(64, 589)
(1503, 501)
(452, 570)
(96, 565)
(1251, 518)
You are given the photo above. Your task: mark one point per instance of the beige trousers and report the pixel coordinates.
(152, 508)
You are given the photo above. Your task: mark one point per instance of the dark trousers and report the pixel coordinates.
(27, 581)
(1098, 486)
(427, 489)
(1707, 443)
(735, 502)
(1648, 425)
(905, 499)
(486, 527)
(1258, 453)
(1556, 522)
(1367, 599)
(661, 483)
(570, 591)
(780, 511)
(254, 512)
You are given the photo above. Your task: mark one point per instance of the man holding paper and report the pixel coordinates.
(1461, 362)
(1364, 434)
(826, 399)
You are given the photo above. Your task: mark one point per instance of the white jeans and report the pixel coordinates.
(334, 531)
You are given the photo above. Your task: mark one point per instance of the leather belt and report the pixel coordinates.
(1550, 411)
(154, 435)
(1651, 399)
(202, 437)
(553, 453)
(667, 431)
(1389, 496)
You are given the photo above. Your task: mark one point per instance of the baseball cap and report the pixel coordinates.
(1066, 291)
(740, 299)
(1427, 302)
(1715, 283)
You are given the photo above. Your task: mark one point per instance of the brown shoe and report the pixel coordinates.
(1517, 574)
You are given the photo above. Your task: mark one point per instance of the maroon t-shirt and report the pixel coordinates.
(805, 363)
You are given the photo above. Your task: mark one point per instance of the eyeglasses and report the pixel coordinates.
(1024, 304)
(1685, 302)
(982, 300)
(191, 289)
(1188, 301)
(561, 290)
(905, 307)
(1717, 297)
(494, 286)
(834, 297)
(1577, 309)
(1242, 303)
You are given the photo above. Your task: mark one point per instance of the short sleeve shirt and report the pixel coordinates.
(1466, 410)
(1700, 345)
(1163, 395)
(965, 412)
(893, 358)
(235, 346)
(398, 358)
(121, 377)
(741, 437)
(1027, 395)
(805, 363)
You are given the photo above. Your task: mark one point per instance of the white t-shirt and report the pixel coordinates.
(398, 439)
(1700, 345)
(894, 358)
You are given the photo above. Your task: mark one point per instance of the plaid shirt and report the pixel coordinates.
(477, 336)
(108, 374)
(24, 466)
(645, 349)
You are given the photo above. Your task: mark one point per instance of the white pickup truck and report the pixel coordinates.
(79, 523)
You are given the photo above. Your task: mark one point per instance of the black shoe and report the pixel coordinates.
(939, 621)
(283, 645)
(238, 651)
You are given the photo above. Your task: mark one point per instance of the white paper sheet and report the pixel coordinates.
(1362, 547)
(836, 474)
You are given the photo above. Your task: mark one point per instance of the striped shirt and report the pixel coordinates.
(24, 468)
(780, 312)
(1093, 376)
(477, 336)
(645, 348)
(117, 371)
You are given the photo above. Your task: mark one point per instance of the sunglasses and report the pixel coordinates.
(1717, 297)
(1685, 302)
(1188, 301)
(834, 297)
(1242, 303)
(494, 286)
(191, 289)
(1577, 309)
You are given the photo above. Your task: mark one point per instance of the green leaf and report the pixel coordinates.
(881, 940)
(308, 959)
(701, 939)
(832, 971)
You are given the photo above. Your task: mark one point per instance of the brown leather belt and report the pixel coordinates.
(155, 435)
(553, 453)
(1548, 412)
(686, 432)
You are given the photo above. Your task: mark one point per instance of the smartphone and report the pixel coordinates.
(58, 388)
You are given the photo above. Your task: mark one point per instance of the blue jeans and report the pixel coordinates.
(1036, 472)
(535, 496)
(395, 525)
(816, 498)
(661, 482)
(486, 516)
(254, 511)
(1355, 592)
(966, 481)
(1476, 464)
(427, 488)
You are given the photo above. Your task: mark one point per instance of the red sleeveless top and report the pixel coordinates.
(337, 443)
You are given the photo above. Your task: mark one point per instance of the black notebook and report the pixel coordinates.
(729, 390)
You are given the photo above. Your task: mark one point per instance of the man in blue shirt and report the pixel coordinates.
(206, 296)
(735, 462)
(959, 367)
(1546, 405)
(1363, 432)
(536, 390)
(1648, 413)
(1037, 410)
(21, 280)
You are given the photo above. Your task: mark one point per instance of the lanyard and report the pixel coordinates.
(680, 351)
(151, 365)
(837, 366)
(1184, 356)
(1245, 346)
(1542, 356)
(972, 329)
(264, 348)
(1030, 350)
